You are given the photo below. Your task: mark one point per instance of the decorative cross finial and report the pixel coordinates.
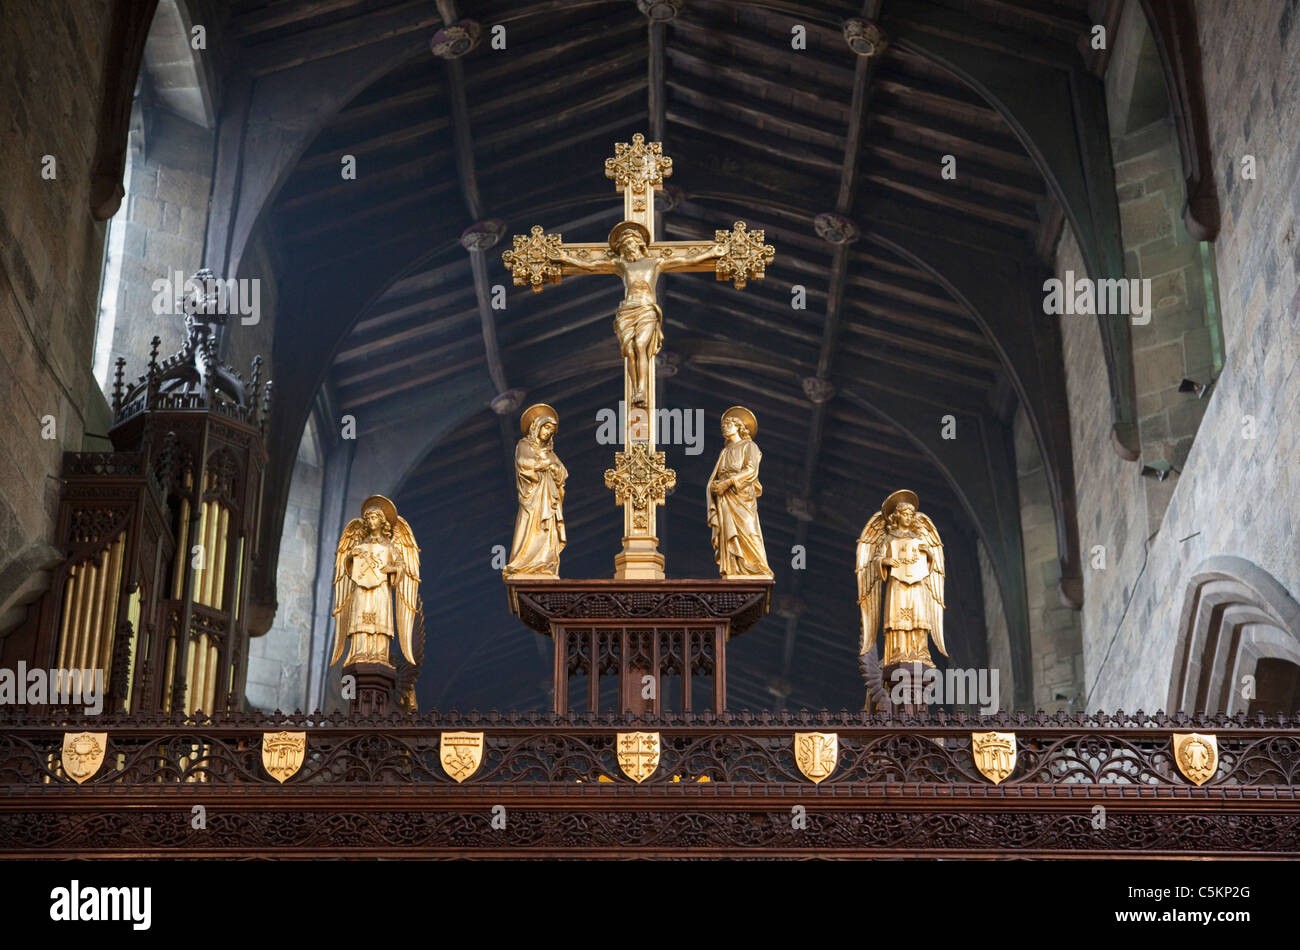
(747, 256)
(638, 170)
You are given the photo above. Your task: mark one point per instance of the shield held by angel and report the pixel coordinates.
(900, 567)
(376, 585)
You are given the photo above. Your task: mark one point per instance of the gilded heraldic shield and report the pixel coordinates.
(911, 566)
(995, 754)
(282, 753)
(1196, 755)
(638, 754)
(816, 754)
(83, 754)
(461, 753)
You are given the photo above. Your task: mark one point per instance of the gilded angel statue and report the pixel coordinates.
(377, 557)
(900, 551)
(733, 499)
(539, 478)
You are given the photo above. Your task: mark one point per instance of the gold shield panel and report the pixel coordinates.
(366, 568)
(816, 754)
(282, 753)
(461, 753)
(638, 754)
(83, 754)
(910, 565)
(995, 754)
(1196, 755)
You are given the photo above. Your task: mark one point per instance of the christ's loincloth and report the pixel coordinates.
(632, 321)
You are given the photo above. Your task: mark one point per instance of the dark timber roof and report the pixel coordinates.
(758, 132)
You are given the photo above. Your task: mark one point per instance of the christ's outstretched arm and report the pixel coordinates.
(711, 253)
(592, 263)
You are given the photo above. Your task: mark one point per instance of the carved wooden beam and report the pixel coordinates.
(839, 231)
(655, 80)
(267, 123)
(409, 21)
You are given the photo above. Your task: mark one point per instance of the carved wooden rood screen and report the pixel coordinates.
(660, 642)
(721, 785)
(640, 755)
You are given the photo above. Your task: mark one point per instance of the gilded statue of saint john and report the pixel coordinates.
(733, 499)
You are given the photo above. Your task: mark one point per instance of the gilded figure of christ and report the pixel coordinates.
(638, 323)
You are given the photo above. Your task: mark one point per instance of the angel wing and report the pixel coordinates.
(354, 532)
(408, 676)
(934, 579)
(870, 544)
(408, 588)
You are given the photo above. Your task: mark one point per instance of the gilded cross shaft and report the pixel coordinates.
(640, 479)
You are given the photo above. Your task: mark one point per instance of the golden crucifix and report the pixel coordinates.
(640, 479)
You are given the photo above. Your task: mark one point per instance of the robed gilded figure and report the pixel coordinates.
(900, 562)
(638, 324)
(733, 499)
(539, 478)
(376, 585)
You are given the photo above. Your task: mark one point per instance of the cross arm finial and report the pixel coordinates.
(746, 257)
(638, 170)
(540, 258)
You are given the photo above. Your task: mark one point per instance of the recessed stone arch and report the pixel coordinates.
(1234, 615)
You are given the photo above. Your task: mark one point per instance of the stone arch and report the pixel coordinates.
(1234, 614)
(156, 231)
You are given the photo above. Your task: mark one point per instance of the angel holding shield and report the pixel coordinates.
(377, 556)
(901, 556)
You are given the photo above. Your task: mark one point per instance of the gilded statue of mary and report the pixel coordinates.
(539, 478)
(733, 499)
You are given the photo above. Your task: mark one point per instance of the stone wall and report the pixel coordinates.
(1055, 639)
(995, 623)
(158, 232)
(1108, 492)
(278, 661)
(246, 340)
(1054, 631)
(1237, 491)
(1179, 341)
(51, 252)
(1183, 338)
